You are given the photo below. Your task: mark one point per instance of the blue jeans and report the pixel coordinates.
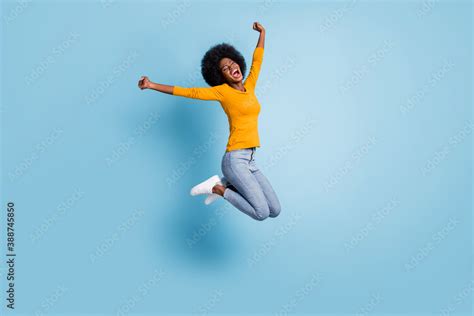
(246, 187)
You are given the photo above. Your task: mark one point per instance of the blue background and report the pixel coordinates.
(366, 132)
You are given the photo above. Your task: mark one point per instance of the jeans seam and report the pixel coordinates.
(243, 184)
(238, 177)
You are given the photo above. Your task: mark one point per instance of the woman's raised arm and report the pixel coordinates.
(261, 39)
(211, 93)
(257, 58)
(145, 83)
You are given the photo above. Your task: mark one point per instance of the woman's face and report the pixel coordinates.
(230, 70)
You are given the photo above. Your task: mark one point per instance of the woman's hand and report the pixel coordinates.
(258, 27)
(261, 39)
(144, 83)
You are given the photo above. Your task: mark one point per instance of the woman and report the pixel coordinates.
(243, 184)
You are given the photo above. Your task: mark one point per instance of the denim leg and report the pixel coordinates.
(270, 195)
(249, 197)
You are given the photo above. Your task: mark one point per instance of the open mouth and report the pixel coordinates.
(235, 73)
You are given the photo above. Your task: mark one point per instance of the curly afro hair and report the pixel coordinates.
(210, 63)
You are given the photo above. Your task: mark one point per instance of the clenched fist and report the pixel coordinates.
(258, 27)
(144, 82)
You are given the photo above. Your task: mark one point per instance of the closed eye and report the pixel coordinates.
(227, 67)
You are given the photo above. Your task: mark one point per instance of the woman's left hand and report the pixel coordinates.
(258, 27)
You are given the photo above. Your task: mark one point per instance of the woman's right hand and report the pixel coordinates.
(144, 82)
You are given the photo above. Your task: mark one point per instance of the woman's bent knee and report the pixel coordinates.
(262, 213)
(275, 211)
(275, 208)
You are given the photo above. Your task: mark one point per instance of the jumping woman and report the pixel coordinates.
(243, 184)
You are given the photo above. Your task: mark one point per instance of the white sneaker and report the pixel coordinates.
(206, 186)
(211, 198)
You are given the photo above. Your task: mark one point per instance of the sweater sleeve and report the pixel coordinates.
(211, 93)
(255, 68)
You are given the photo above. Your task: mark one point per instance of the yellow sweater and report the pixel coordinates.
(242, 108)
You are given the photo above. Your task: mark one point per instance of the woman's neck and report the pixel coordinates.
(238, 86)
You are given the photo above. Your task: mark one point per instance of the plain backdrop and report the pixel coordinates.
(366, 135)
